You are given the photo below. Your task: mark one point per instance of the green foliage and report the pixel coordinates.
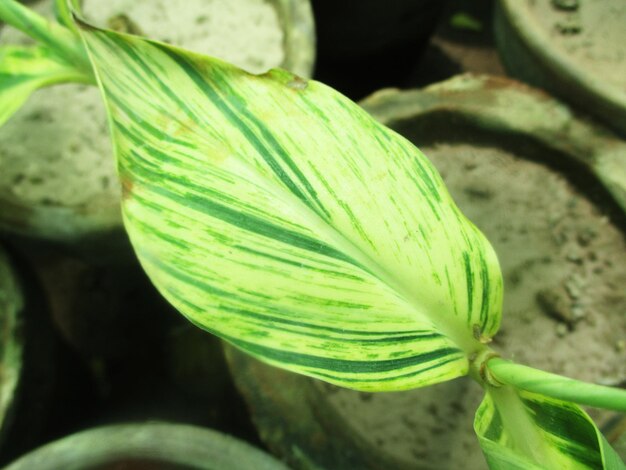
(277, 214)
(59, 58)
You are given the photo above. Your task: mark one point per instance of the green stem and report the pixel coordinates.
(63, 14)
(556, 386)
(59, 39)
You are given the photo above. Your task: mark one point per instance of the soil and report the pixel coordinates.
(564, 266)
(245, 32)
(592, 35)
(56, 149)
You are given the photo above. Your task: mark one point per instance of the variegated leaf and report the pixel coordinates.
(275, 213)
(524, 430)
(24, 69)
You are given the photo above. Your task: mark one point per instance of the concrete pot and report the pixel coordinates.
(151, 445)
(573, 49)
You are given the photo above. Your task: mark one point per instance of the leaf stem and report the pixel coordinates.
(63, 13)
(60, 39)
(556, 386)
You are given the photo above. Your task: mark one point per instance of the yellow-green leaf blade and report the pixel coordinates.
(24, 69)
(520, 429)
(276, 213)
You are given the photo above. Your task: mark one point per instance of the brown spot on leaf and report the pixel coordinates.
(297, 83)
(127, 187)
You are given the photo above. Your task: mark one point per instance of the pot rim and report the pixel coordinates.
(12, 351)
(179, 444)
(515, 16)
(550, 122)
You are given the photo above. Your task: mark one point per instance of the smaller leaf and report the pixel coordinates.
(63, 12)
(525, 430)
(24, 69)
(63, 41)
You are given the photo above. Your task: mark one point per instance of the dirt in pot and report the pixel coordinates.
(564, 266)
(56, 150)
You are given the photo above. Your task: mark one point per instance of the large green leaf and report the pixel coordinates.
(276, 213)
(24, 69)
(525, 430)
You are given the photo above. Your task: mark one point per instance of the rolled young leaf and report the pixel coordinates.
(275, 213)
(24, 69)
(64, 42)
(524, 430)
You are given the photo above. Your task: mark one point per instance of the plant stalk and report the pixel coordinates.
(63, 12)
(58, 38)
(556, 386)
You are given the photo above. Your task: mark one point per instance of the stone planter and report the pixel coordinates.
(145, 360)
(547, 189)
(574, 49)
(11, 342)
(58, 181)
(148, 446)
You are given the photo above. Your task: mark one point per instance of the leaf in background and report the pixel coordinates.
(525, 430)
(277, 214)
(24, 69)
